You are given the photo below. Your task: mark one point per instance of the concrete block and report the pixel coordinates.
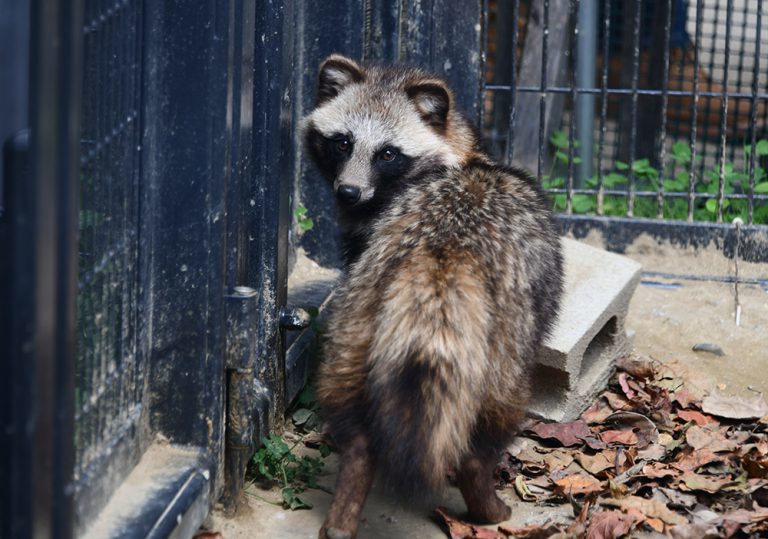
(577, 360)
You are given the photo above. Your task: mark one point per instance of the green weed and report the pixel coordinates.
(304, 222)
(677, 179)
(276, 463)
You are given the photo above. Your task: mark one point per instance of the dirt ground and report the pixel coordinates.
(669, 316)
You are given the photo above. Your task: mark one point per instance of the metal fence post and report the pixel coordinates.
(38, 323)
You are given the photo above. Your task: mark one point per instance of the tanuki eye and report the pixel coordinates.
(388, 155)
(343, 145)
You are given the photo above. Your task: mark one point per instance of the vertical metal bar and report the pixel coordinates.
(543, 92)
(739, 80)
(55, 105)
(753, 115)
(603, 105)
(367, 30)
(664, 104)
(16, 333)
(138, 91)
(574, 13)
(483, 74)
(633, 111)
(694, 111)
(724, 110)
(512, 113)
(709, 101)
(584, 106)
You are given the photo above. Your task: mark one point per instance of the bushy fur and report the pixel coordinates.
(453, 280)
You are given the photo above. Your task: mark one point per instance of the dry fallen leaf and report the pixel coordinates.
(558, 459)
(522, 490)
(649, 508)
(642, 370)
(463, 530)
(645, 430)
(699, 530)
(610, 524)
(677, 470)
(578, 484)
(599, 462)
(659, 470)
(755, 465)
(672, 497)
(617, 402)
(696, 417)
(597, 413)
(732, 407)
(568, 434)
(621, 437)
(624, 383)
(711, 438)
(531, 531)
(652, 452)
(705, 483)
(690, 460)
(685, 398)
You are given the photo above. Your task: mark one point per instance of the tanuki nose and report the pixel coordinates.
(348, 194)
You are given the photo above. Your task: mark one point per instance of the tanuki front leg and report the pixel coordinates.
(475, 480)
(353, 482)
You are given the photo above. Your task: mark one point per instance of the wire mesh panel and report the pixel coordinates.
(108, 388)
(644, 108)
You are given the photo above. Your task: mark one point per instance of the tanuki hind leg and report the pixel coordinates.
(475, 480)
(353, 482)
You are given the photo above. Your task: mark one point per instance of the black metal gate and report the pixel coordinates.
(173, 126)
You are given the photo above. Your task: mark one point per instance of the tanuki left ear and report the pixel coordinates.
(336, 73)
(432, 99)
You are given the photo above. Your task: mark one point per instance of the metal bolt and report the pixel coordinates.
(244, 291)
(294, 318)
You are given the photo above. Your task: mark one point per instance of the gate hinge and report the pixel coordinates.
(242, 323)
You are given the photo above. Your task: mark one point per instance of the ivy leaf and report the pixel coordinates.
(614, 178)
(761, 188)
(559, 139)
(761, 148)
(302, 415)
(306, 224)
(681, 152)
(583, 203)
(292, 501)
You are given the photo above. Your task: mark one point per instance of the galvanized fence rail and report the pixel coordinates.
(675, 138)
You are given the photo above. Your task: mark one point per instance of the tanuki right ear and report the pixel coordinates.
(336, 73)
(432, 100)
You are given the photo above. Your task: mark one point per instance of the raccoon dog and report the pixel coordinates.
(452, 279)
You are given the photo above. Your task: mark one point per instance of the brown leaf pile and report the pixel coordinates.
(647, 456)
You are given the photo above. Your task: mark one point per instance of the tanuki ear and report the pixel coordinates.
(432, 99)
(336, 73)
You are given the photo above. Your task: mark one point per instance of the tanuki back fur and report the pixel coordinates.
(433, 330)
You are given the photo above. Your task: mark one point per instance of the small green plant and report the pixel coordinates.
(276, 463)
(676, 180)
(306, 417)
(304, 222)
